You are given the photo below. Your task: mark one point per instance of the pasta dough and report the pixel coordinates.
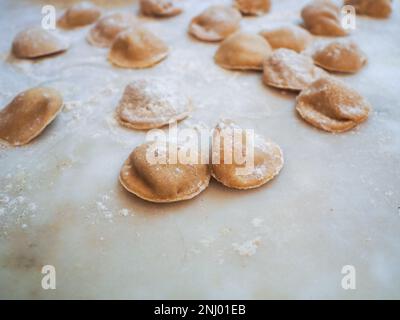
(28, 114)
(137, 48)
(253, 7)
(168, 181)
(243, 51)
(79, 15)
(340, 56)
(330, 105)
(321, 17)
(37, 42)
(160, 8)
(286, 69)
(289, 37)
(215, 23)
(268, 158)
(107, 28)
(153, 103)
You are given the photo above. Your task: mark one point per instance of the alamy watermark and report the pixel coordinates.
(349, 280)
(348, 20)
(229, 145)
(49, 19)
(49, 278)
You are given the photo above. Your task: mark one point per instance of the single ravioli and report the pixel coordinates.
(104, 32)
(372, 8)
(215, 23)
(160, 8)
(260, 160)
(28, 114)
(243, 51)
(289, 37)
(80, 14)
(137, 48)
(287, 69)
(253, 7)
(153, 103)
(340, 56)
(330, 105)
(321, 17)
(151, 174)
(37, 42)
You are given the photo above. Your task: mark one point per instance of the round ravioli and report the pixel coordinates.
(215, 23)
(289, 37)
(107, 28)
(253, 7)
(372, 8)
(243, 51)
(147, 104)
(330, 105)
(37, 42)
(321, 17)
(28, 114)
(160, 8)
(241, 160)
(137, 48)
(79, 15)
(340, 56)
(287, 69)
(151, 174)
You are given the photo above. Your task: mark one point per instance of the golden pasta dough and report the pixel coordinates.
(287, 69)
(37, 42)
(373, 8)
(104, 32)
(161, 178)
(330, 105)
(259, 165)
(215, 23)
(321, 17)
(340, 56)
(253, 7)
(289, 37)
(28, 114)
(79, 15)
(243, 51)
(147, 104)
(160, 8)
(137, 48)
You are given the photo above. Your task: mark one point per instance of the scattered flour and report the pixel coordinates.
(257, 222)
(247, 248)
(208, 241)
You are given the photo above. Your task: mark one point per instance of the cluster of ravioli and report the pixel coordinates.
(280, 53)
(153, 103)
(174, 179)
